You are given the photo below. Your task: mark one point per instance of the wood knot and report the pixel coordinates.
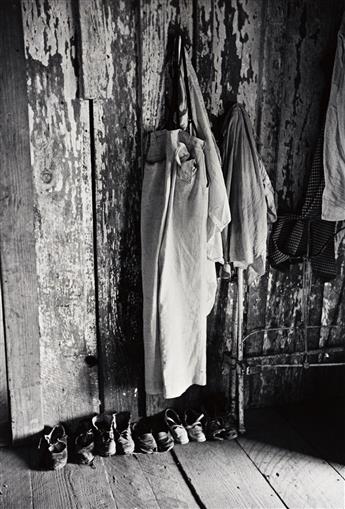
(46, 176)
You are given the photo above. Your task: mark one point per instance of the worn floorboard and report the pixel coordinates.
(323, 426)
(15, 485)
(166, 481)
(128, 483)
(75, 486)
(286, 459)
(146, 482)
(223, 476)
(290, 464)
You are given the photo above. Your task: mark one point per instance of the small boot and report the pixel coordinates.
(192, 421)
(104, 427)
(124, 440)
(84, 444)
(53, 447)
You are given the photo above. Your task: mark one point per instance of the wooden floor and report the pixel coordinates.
(292, 457)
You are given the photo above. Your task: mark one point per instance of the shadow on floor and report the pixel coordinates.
(308, 428)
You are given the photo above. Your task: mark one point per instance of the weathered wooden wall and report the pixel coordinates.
(4, 406)
(295, 86)
(110, 79)
(61, 167)
(276, 58)
(93, 81)
(18, 261)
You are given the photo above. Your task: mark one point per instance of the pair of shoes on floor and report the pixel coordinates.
(220, 428)
(53, 448)
(105, 435)
(111, 434)
(191, 429)
(219, 424)
(151, 435)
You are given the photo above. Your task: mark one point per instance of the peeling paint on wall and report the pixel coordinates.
(60, 158)
(95, 76)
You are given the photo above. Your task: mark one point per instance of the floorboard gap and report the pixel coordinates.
(188, 481)
(258, 469)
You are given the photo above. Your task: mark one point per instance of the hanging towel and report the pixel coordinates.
(250, 195)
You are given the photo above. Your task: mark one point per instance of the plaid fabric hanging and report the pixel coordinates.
(306, 234)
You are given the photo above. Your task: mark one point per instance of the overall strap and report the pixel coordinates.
(191, 124)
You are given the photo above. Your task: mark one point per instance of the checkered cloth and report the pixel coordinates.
(289, 238)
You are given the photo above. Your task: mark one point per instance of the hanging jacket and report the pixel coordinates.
(333, 200)
(250, 195)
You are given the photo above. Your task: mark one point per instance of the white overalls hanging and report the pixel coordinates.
(184, 208)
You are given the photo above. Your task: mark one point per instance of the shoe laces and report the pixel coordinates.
(196, 426)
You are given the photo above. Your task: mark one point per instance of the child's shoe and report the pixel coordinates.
(215, 429)
(161, 433)
(175, 426)
(193, 425)
(124, 440)
(84, 444)
(103, 428)
(143, 437)
(53, 447)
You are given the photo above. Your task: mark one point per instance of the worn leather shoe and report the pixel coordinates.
(103, 426)
(53, 448)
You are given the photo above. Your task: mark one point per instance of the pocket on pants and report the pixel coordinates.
(187, 170)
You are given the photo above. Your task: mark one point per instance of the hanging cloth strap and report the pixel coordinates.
(190, 122)
(180, 107)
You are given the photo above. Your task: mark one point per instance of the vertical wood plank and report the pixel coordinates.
(98, 33)
(4, 404)
(60, 159)
(267, 128)
(228, 65)
(118, 250)
(18, 259)
(109, 34)
(228, 53)
(306, 77)
(156, 18)
(265, 297)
